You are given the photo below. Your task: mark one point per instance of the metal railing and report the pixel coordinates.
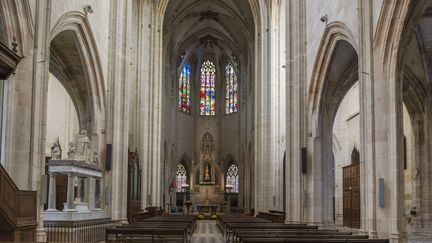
(77, 231)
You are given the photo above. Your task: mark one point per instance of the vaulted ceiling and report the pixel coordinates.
(189, 24)
(418, 66)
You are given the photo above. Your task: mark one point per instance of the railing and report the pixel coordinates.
(77, 231)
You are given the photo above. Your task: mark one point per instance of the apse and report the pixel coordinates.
(208, 52)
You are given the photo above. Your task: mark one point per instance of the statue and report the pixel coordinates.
(82, 146)
(71, 152)
(95, 158)
(207, 173)
(56, 151)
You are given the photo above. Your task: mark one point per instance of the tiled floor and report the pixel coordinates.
(207, 231)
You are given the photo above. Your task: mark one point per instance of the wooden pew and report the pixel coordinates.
(144, 234)
(167, 228)
(252, 229)
(302, 240)
(231, 227)
(275, 217)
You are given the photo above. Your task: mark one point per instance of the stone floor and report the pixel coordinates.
(207, 231)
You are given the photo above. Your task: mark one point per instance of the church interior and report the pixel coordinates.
(216, 121)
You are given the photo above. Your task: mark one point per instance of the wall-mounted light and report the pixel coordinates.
(324, 19)
(88, 8)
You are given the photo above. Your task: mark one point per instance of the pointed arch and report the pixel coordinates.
(335, 32)
(184, 87)
(186, 161)
(232, 177)
(208, 88)
(88, 89)
(231, 89)
(334, 73)
(16, 22)
(228, 160)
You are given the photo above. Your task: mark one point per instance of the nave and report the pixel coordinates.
(227, 228)
(207, 231)
(318, 109)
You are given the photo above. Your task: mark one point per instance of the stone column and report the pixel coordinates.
(80, 188)
(155, 111)
(70, 194)
(91, 192)
(119, 66)
(86, 190)
(52, 193)
(39, 105)
(388, 145)
(367, 119)
(296, 124)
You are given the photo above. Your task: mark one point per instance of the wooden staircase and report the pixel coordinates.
(18, 210)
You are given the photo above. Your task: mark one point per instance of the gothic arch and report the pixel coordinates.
(186, 162)
(78, 68)
(16, 21)
(415, 94)
(334, 73)
(335, 32)
(229, 159)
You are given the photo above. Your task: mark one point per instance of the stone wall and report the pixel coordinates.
(346, 135)
(62, 119)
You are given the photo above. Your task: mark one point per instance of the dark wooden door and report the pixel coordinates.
(134, 187)
(351, 196)
(61, 190)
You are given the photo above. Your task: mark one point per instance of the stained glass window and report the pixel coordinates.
(207, 90)
(231, 88)
(232, 178)
(181, 176)
(184, 89)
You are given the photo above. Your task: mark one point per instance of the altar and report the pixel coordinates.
(207, 198)
(207, 195)
(208, 208)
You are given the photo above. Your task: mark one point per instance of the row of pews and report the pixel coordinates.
(273, 216)
(164, 228)
(248, 229)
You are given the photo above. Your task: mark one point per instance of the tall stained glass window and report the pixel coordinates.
(184, 88)
(207, 90)
(181, 176)
(232, 178)
(231, 88)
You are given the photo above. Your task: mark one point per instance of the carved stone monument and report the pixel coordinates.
(81, 163)
(82, 148)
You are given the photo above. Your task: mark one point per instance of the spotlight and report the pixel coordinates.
(324, 19)
(88, 8)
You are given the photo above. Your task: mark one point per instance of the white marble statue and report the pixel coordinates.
(71, 152)
(83, 147)
(56, 151)
(95, 158)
